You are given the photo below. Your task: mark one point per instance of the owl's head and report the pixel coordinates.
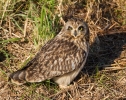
(75, 29)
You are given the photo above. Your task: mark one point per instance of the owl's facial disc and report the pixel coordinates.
(76, 31)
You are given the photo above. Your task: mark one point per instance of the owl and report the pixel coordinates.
(60, 59)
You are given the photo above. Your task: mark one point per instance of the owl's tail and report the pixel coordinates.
(18, 77)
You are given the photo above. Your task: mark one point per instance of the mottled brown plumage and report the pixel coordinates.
(60, 59)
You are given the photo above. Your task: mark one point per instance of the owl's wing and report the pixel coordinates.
(55, 58)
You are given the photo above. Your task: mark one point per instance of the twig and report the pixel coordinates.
(113, 68)
(108, 32)
(9, 26)
(60, 8)
(25, 26)
(63, 90)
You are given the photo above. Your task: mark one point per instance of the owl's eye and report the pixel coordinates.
(81, 28)
(69, 28)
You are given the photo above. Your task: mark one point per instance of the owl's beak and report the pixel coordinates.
(75, 33)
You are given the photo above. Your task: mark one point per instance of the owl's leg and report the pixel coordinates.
(62, 81)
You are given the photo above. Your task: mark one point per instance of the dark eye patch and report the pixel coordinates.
(81, 28)
(69, 28)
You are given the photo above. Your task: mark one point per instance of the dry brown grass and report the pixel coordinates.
(104, 75)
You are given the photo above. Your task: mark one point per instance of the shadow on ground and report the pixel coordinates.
(111, 47)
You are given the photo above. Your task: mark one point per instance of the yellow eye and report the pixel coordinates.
(69, 28)
(81, 28)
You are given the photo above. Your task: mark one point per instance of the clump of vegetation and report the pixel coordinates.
(25, 25)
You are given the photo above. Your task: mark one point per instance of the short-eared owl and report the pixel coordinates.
(60, 59)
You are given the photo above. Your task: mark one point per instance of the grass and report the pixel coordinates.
(26, 25)
(41, 19)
